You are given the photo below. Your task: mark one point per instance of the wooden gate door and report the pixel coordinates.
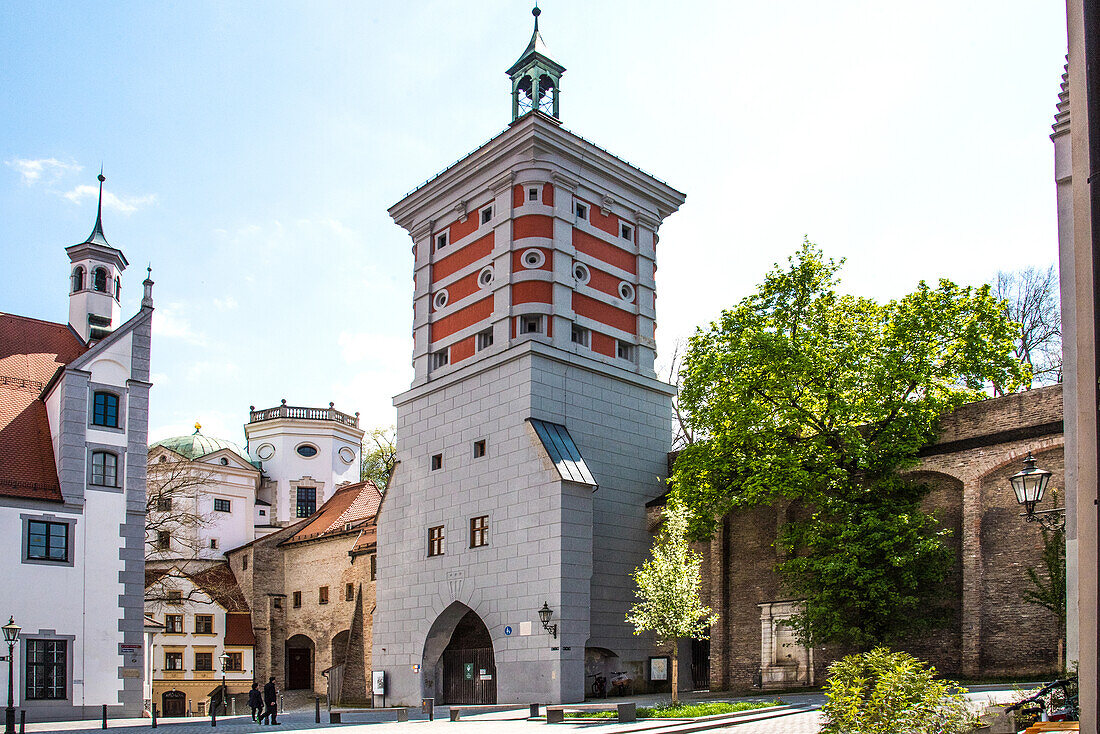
(469, 676)
(298, 666)
(172, 703)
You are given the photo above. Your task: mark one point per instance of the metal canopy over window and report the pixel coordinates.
(564, 452)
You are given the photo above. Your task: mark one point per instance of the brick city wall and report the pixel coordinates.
(991, 630)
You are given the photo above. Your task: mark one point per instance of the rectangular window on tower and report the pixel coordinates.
(487, 214)
(484, 339)
(479, 449)
(625, 351)
(626, 231)
(296, 599)
(322, 595)
(441, 241)
(435, 541)
(479, 531)
(531, 324)
(581, 210)
(437, 462)
(532, 194)
(440, 358)
(221, 505)
(580, 335)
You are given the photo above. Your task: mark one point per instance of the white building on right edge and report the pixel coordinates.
(535, 429)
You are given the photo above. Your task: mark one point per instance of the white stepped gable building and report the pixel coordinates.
(535, 430)
(74, 412)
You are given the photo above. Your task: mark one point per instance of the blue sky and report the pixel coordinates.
(252, 149)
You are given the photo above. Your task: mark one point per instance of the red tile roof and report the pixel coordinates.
(221, 585)
(238, 629)
(31, 352)
(348, 509)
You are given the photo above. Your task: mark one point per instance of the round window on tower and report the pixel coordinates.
(626, 291)
(580, 272)
(440, 299)
(307, 450)
(347, 455)
(533, 258)
(485, 277)
(266, 451)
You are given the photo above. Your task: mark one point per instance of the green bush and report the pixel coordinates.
(884, 692)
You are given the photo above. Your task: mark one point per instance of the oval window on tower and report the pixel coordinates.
(266, 451)
(533, 258)
(440, 299)
(580, 272)
(307, 450)
(347, 455)
(626, 291)
(485, 277)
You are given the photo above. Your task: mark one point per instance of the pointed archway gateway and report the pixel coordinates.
(459, 665)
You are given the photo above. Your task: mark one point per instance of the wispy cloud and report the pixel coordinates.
(225, 304)
(42, 170)
(209, 368)
(171, 323)
(124, 204)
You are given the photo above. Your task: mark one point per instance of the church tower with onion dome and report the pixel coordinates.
(535, 429)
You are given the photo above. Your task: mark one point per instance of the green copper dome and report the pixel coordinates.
(197, 445)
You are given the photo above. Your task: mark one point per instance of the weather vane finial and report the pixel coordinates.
(536, 12)
(198, 426)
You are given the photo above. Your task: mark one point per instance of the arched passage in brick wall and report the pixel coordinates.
(300, 655)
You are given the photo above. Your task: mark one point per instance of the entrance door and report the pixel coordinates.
(298, 668)
(173, 703)
(469, 673)
(700, 665)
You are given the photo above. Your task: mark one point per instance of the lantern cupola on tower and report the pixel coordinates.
(95, 281)
(536, 78)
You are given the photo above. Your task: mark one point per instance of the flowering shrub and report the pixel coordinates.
(884, 692)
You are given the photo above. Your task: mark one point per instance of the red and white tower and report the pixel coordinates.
(535, 429)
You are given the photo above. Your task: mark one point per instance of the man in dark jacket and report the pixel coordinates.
(255, 701)
(270, 697)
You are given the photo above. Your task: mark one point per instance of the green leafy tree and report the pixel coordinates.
(379, 454)
(806, 393)
(668, 591)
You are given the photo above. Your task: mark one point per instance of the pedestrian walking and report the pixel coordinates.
(255, 701)
(270, 707)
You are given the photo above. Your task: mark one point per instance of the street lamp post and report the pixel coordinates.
(1030, 485)
(225, 691)
(11, 634)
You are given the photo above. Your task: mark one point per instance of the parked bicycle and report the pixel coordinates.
(622, 683)
(1056, 701)
(599, 685)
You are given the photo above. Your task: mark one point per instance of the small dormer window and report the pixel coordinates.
(99, 280)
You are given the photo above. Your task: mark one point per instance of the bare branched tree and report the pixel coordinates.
(379, 456)
(1031, 301)
(173, 526)
(682, 433)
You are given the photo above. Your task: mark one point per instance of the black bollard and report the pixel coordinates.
(534, 711)
(317, 709)
(22, 722)
(213, 716)
(104, 716)
(154, 716)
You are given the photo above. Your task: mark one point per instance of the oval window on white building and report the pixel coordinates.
(266, 451)
(307, 450)
(347, 455)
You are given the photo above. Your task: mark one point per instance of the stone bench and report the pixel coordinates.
(626, 712)
(489, 708)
